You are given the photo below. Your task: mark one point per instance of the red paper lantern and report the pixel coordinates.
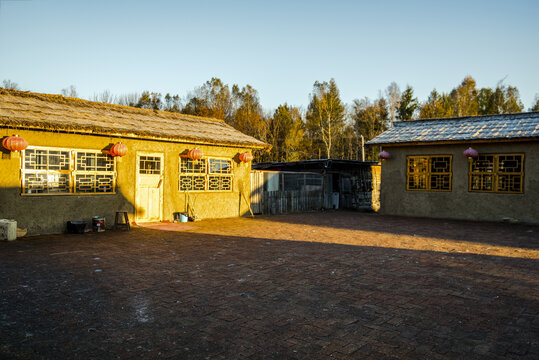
(195, 154)
(384, 155)
(246, 157)
(14, 143)
(118, 149)
(471, 153)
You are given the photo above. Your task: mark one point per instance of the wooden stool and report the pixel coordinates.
(121, 224)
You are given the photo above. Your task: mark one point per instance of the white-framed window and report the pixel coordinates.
(219, 175)
(149, 165)
(207, 174)
(192, 174)
(55, 171)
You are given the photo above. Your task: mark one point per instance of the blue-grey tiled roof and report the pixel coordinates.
(490, 127)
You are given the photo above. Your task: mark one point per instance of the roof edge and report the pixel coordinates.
(469, 117)
(456, 142)
(82, 131)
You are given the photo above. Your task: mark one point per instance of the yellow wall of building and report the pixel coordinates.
(43, 214)
(460, 203)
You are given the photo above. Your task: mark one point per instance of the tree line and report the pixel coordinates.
(327, 128)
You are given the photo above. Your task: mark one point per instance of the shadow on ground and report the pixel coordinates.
(185, 295)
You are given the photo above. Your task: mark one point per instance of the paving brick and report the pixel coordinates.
(360, 286)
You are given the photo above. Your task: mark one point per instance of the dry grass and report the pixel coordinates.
(20, 109)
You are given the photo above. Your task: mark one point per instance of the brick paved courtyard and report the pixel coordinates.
(339, 285)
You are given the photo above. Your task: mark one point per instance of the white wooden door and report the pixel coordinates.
(149, 190)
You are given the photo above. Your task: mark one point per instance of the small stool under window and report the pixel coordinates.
(125, 223)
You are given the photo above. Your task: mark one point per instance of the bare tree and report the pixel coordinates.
(105, 97)
(326, 115)
(393, 98)
(71, 91)
(212, 99)
(10, 85)
(465, 98)
(130, 99)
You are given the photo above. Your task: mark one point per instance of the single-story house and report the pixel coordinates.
(69, 171)
(347, 184)
(477, 168)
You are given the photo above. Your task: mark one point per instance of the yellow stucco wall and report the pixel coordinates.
(460, 203)
(43, 214)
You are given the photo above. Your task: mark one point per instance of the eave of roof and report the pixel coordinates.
(25, 110)
(136, 136)
(451, 142)
(313, 164)
(488, 128)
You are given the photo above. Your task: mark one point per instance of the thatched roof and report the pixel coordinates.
(20, 109)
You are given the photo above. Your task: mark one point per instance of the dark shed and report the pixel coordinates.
(348, 184)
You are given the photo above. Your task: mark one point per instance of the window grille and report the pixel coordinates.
(220, 183)
(66, 171)
(150, 165)
(188, 166)
(205, 175)
(499, 173)
(220, 175)
(192, 183)
(192, 174)
(429, 173)
(219, 166)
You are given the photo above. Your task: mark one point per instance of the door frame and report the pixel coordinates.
(161, 188)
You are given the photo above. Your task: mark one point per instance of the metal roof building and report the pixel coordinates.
(429, 174)
(522, 126)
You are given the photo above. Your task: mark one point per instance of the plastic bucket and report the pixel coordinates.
(98, 223)
(183, 218)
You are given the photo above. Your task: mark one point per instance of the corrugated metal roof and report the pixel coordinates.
(490, 127)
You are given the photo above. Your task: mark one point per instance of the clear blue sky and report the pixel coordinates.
(279, 47)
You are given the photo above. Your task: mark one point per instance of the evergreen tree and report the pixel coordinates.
(247, 116)
(285, 133)
(370, 120)
(503, 100)
(437, 106)
(149, 101)
(485, 102)
(535, 107)
(408, 105)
